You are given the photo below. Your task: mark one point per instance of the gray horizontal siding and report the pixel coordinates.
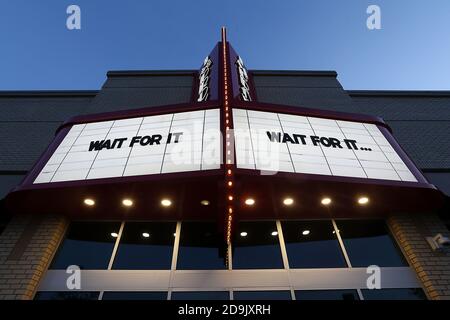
(23, 142)
(427, 142)
(115, 99)
(405, 108)
(41, 108)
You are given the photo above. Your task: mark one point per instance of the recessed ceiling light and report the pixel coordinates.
(166, 202)
(127, 202)
(204, 203)
(146, 234)
(89, 202)
(306, 232)
(363, 200)
(243, 234)
(114, 234)
(326, 201)
(288, 201)
(274, 233)
(249, 201)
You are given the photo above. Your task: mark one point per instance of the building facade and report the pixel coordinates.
(223, 183)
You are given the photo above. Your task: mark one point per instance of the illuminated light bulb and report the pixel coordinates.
(288, 201)
(243, 234)
(249, 201)
(166, 202)
(326, 201)
(127, 202)
(114, 234)
(204, 203)
(306, 232)
(89, 202)
(146, 234)
(363, 200)
(274, 233)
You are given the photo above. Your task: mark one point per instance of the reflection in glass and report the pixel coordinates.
(368, 242)
(88, 245)
(66, 295)
(201, 247)
(135, 295)
(262, 295)
(146, 245)
(326, 295)
(394, 294)
(200, 295)
(312, 244)
(256, 246)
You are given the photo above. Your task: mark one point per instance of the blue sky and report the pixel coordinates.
(411, 51)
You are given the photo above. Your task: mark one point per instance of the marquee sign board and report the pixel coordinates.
(175, 142)
(273, 142)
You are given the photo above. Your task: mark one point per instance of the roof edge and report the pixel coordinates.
(49, 93)
(314, 73)
(134, 73)
(399, 93)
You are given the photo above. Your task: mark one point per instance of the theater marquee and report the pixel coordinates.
(175, 142)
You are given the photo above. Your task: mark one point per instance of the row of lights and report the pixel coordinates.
(145, 235)
(249, 201)
(275, 233)
(127, 202)
(228, 148)
(324, 201)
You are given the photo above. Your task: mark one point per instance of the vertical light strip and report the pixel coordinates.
(285, 256)
(173, 266)
(113, 254)
(229, 152)
(344, 252)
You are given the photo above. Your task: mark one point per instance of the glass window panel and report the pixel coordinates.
(128, 295)
(256, 246)
(201, 247)
(262, 295)
(146, 245)
(66, 295)
(312, 244)
(88, 245)
(368, 242)
(200, 295)
(326, 295)
(394, 294)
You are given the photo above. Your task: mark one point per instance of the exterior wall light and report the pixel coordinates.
(127, 202)
(89, 202)
(326, 201)
(249, 201)
(288, 202)
(166, 202)
(363, 200)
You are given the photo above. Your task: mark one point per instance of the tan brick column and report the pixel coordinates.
(432, 267)
(27, 246)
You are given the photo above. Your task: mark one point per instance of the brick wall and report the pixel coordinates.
(27, 246)
(432, 267)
